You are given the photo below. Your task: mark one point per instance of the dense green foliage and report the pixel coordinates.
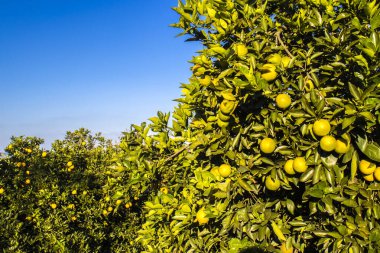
(274, 143)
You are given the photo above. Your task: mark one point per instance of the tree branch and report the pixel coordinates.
(278, 36)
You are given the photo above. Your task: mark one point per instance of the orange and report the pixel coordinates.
(225, 170)
(327, 143)
(164, 190)
(321, 127)
(376, 174)
(369, 177)
(283, 101)
(53, 205)
(227, 106)
(366, 167)
(267, 145)
(299, 165)
(275, 59)
(288, 167)
(272, 184)
(309, 85)
(201, 217)
(342, 146)
(269, 72)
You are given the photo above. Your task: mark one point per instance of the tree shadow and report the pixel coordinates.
(253, 250)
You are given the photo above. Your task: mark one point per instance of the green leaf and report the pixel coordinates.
(370, 149)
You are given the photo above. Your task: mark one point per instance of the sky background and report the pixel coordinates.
(98, 64)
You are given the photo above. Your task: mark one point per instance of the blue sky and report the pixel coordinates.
(102, 65)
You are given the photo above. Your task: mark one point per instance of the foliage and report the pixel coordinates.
(273, 79)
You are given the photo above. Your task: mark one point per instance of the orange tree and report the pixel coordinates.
(54, 200)
(286, 94)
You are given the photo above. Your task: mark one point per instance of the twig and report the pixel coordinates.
(176, 153)
(282, 44)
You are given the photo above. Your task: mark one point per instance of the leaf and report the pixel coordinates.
(354, 91)
(350, 203)
(370, 149)
(278, 231)
(347, 122)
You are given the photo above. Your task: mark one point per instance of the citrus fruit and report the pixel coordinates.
(376, 174)
(44, 154)
(299, 165)
(227, 106)
(283, 101)
(321, 127)
(201, 217)
(1, 190)
(267, 145)
(327, 143)
(342, 146)
(269, 72)
(288, 167)
(366, 167)
(223, 117)
(118, 202)
(69, 164)
(284, 249)
(27, 181)
(109, 209)
(215, 171)
(275, 59)
(309, 85)
(205, 81)
(53, 205)
(74, 192)
(241, 50)
(224, 170)
(164, 190)
(271, 184)
(369, 177)
(285, 61)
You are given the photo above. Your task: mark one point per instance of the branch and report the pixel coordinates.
(176, 153)
(282, 44)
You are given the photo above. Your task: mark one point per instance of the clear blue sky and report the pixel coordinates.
(98, 64)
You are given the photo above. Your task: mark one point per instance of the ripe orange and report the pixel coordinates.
(27, 181)
(164, 190)
(2, 190)
(283, 101)
(327, 143)
(377, 174)
(272, 184)
(275, 59)
(366, 167)
(53, 205)
(227, 107)
(299, 164)
(267, 145)
(215, 171)
(321, 127)
(109, 209)
(288, 167)
(69, 164)
(309, 85)
(43, 154)
(225, 170)
(201, 217)
(118, 202)
(369, 177)
(269, 72)
(342, 146)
